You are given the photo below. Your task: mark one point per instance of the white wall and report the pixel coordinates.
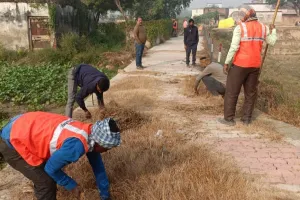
(219, 5)
(13, 23)
(267, 17)
(197, 12)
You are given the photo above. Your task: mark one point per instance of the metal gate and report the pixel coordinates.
(39, 33)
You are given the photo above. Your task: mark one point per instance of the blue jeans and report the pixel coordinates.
(139, 48)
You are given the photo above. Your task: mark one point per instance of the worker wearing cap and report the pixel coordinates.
(40, 145)
(245, 51)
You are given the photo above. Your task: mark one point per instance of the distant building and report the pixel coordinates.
(215, 5)
(223, 12)
(265, 12)
(197, 12)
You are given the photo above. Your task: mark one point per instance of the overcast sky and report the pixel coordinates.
(226, 3)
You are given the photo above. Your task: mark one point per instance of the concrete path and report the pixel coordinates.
(269, 149)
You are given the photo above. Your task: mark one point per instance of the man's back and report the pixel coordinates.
(216, 71)
(87, 74)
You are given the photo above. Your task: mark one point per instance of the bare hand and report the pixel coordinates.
(226, 68)
(185, 47)
(272, 26)
(88, 115)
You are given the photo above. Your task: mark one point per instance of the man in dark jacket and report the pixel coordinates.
(191, 39)
(91, 81)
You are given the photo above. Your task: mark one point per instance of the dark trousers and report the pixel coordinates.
(174, 32)
(189, 49)
(213, 86)
(44, 185)
(72, 90)
(139, 48)
(238, 77)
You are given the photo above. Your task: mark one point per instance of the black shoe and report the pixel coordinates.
(227, 122)
(246, 122)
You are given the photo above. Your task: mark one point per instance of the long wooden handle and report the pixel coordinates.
(267, 47)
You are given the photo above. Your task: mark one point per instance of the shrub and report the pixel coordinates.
(157, 28)
(71, 44)
(10, 55)
(109, 35)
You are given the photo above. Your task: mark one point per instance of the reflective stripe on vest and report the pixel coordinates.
(65, 125)
(245, 38)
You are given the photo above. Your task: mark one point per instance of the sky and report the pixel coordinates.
(226, 3)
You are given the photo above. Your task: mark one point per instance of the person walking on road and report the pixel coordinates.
(140, 36)
(212, 76)
(245, 50)
(175, 28)
(40, 145)
(91, 80)
(185, 24)
(191, 40)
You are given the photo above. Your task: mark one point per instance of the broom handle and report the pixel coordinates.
(267, 47)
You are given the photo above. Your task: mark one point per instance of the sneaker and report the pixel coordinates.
(139, 68)
(143, 67)
(188, 65)
(226, 122)
(194, 64)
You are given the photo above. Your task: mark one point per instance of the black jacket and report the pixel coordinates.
(87, 78)
(191, 36)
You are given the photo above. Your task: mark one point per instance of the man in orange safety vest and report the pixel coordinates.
(245, 50)
(40, 145)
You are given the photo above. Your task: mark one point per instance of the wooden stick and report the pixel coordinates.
(267, 47)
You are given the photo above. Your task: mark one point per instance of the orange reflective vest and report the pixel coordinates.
(37, 135)
(253, 34)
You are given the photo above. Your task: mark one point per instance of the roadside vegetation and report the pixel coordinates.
(37, 80)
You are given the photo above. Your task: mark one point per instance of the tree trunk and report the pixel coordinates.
(118, 4)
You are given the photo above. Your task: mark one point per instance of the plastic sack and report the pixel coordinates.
(226, 23)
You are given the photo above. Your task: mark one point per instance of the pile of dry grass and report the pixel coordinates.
(136, 92)
(200, 109)
(122, 58)
(150, 167)
(126, 118)
(189, 85)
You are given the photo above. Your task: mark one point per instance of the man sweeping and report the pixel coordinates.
(212, 76)
(245, 50)
(40, 145)
(90, 80)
